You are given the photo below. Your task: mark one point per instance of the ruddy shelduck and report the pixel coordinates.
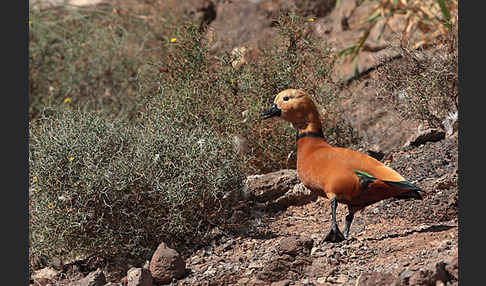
(342, 175)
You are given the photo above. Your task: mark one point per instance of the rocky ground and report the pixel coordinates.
(393, 242)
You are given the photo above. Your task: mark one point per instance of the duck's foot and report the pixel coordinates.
(335, 235)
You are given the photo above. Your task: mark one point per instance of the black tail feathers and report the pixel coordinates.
(413, 190)
(409, 195)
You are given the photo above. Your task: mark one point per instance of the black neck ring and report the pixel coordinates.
(310, 134)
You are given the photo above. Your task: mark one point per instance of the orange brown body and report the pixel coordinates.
(329, 170)
(342, 175)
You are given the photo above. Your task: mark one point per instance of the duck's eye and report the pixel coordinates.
(286, 98)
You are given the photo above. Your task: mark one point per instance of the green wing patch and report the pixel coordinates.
(362, 173)
(364, 178)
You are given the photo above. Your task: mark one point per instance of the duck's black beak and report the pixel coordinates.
(273, 111)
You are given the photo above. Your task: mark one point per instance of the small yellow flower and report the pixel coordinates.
(50, 205)
(310, 20)
(67, 100)
(172, 40)
(71, 159)
(30, 22)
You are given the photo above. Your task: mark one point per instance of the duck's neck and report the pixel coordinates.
(310, 126)
(309, 134)
(313, 129)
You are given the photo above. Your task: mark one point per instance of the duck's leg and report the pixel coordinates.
(334, 235)
(349, 220)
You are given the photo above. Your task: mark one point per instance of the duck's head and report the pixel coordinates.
(295, 106)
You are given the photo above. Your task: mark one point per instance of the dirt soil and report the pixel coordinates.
(396, 237)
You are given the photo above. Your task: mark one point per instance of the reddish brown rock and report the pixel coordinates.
(166, 264)
(295, 245)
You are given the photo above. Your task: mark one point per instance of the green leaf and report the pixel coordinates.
(373, 16)
(355, 65)
(445, 11)
(347, 51)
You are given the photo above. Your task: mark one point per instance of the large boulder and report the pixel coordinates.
(278, 190)
(271, 186)
(298, 195)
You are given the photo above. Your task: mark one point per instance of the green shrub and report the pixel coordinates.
(423, 84)
(122, 64)
(108, 188)
(88, 57)
(200, 89)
